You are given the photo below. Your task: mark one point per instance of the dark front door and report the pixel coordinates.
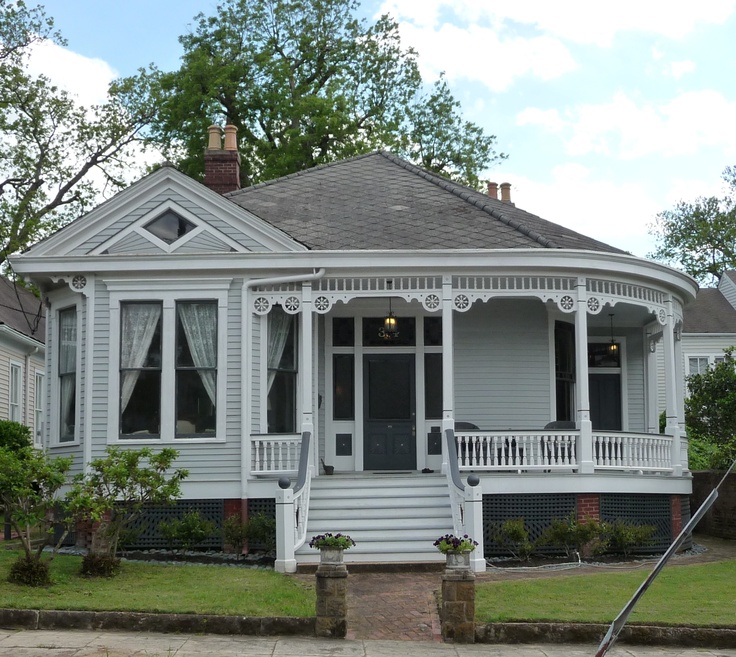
(389, 410)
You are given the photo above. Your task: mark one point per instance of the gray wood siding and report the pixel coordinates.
(239, 236)
(255, 401)
(204, 243)
(103, 408)
(728, 290)
(502, 365)
(135, 244)
(636, 381)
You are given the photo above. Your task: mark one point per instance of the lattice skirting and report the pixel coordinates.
(539, 510)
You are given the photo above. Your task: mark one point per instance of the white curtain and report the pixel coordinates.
(279, 325)
(139, 322)
(199, 321)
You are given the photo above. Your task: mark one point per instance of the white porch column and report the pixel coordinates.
(306, 368)
(582, 396)
(448, 370)
(672, 426)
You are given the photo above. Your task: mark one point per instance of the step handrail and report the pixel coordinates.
(455, 484)
(302, 490)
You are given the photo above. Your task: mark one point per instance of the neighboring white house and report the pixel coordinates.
(22, 375)
(366, 314)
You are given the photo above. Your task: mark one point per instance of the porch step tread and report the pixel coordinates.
(379, 530)
(377, 514)
(357, 502)
(427, 551)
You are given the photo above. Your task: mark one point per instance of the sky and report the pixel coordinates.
(609, 112)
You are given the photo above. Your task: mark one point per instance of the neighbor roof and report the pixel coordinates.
(709, 313)
(379, 201)
(21, 310)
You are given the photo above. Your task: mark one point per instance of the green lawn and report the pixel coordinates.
(195, 589)
(685, 595)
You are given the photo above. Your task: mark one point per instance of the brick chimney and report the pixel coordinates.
(222, 165)
(506, 192)
(493, 189)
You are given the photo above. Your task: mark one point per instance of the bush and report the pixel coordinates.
(261, 530)
(513, 535)
(97, 564)
(572, 535)
(624, 537)
(29, 572)
(14, 436)
(187, 532)
(235, 533)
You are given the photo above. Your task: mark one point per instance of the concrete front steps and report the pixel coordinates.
(393, 518)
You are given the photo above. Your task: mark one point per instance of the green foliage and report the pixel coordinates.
(235, 533)
(117, 487)
(49, 144)
(187, 532)
(513, 535)
(100, 565)
(571, 534)
(700, 236)
(308, 83)
(710, 413)
(623, 537)
(14, 435)
(29, 482)
(28, 571)
(329, 540)
(261, 530)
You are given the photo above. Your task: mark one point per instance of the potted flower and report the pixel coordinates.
(456, 549)
(331, 546)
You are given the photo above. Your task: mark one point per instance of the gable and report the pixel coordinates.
(138, 221)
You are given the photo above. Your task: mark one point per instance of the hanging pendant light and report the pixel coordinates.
(390, 329)
(613, 347)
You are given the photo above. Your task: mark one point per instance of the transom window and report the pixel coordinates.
(169, 227)
(149, 387)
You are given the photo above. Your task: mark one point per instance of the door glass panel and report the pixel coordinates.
(372, 337)
(433, 385)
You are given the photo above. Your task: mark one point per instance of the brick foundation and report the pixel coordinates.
(588, 506)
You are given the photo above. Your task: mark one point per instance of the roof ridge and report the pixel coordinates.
(462, 192)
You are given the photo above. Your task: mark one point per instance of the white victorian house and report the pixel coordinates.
(365, 316)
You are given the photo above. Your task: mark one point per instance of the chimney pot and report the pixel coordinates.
(506, 192)
(215, 138)
(493, 189)
(231, 137)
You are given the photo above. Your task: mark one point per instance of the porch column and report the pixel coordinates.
(448, 372)
(672, 426)
(582, 395)
(307, 361)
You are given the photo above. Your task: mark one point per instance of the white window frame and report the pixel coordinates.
(15, 392)
(711, 359)
(39, 398)
(168, 293)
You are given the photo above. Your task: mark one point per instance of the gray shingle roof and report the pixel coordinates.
(379, 201)
(709, 313)
(21, 310)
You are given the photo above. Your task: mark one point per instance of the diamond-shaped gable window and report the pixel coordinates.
(169, 227)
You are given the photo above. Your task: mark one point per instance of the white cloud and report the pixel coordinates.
(678, 69)
(84, 77)
(629, 130)
(580, 21)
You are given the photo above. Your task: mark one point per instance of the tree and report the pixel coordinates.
(700, 236)
(114, 493)
(55, 155)
(29, 483)
(710, 412)
(305, 82)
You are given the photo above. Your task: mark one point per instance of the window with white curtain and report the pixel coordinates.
(16, 387)
(39, 392)
(168, 368)
(282, 371)
(67, 373)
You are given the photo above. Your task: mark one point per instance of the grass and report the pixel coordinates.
(196, 589)
(687, 595)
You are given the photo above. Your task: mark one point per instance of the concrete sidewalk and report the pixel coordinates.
(74, 643)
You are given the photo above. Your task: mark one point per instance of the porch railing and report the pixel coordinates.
(455, 485)
(551, 451)
(302, 490)
(275, 455)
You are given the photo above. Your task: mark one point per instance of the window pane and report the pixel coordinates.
(39, 392)
(142, 413)
(15, 385)
(196, 334)
(372, 328)
(169, 227)
(68, 404)
(282, 372)
(195, 412)
(67, 373)
(433, 385)
(344, 387)
(433, 331)
(282, 403)
(343, 331)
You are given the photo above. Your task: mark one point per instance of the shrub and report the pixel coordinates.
(100, 565)
(14, 436)
(261, 529)
(514, 536)
(28, 571)
(234, 533)
(572, 535)
(624, 537)
(188, 531)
